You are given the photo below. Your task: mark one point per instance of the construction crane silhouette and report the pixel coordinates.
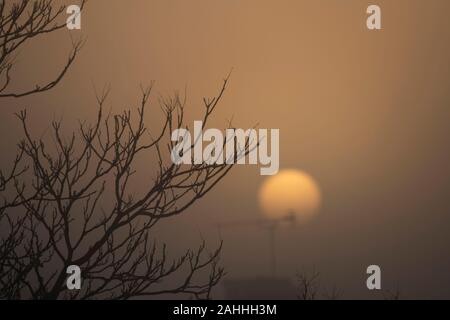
(271, 225)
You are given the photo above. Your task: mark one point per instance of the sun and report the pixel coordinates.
(290, 192)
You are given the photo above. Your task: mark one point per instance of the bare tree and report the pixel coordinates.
(309, 287)
(75, 205)
(20, 22)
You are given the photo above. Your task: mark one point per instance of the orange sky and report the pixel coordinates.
(365, 113)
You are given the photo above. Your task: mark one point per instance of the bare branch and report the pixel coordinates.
(71, 202)
(22, 21)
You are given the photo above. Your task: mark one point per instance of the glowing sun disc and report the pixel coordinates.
(290, 192)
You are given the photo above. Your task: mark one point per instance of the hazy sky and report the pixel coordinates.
(366, 113)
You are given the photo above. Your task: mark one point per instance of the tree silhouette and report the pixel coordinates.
(20, 22)
(73, 203)
(309, 287)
